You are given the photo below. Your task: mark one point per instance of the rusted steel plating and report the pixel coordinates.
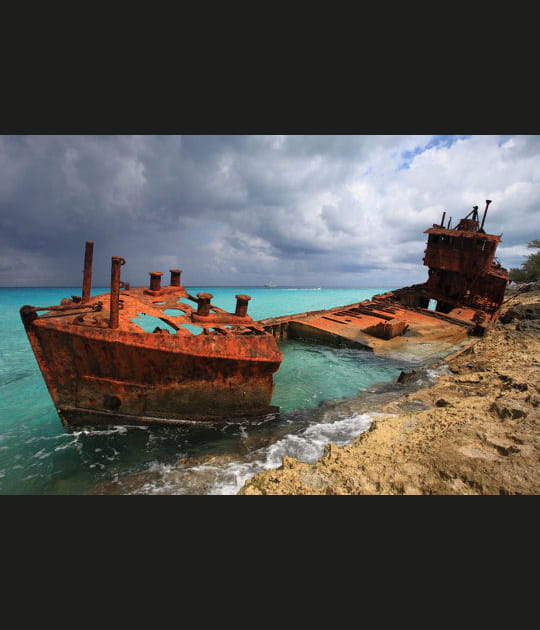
(175, 277)
(241, 305)
(87, 274)
(203, 303)
(116, 263)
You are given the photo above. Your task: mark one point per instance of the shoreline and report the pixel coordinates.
(477, 430)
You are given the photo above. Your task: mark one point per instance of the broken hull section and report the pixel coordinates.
(465, 285)
(398, 332)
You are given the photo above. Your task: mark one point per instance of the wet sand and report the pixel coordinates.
(477, 431)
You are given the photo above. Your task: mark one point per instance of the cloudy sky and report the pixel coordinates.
(241, 210)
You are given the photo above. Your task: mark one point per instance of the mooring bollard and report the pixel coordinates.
(241, 305)
(175, 277)
(155, 280)
(203, 303)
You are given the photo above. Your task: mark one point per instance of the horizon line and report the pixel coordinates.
(220, 286)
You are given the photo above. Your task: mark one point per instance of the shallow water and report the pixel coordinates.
(316, 387)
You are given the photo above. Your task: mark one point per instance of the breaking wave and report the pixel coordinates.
(217, 476)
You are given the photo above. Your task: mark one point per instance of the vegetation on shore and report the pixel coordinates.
(530, 269)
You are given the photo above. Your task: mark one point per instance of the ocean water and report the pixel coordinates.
(325, 395)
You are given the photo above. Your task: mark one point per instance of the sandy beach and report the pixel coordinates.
(476, 430)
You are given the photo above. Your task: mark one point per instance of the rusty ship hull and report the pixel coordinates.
(102, 367)
(139, 377)
(98, 373)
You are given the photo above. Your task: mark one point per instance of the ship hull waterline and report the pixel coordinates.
(143, 378)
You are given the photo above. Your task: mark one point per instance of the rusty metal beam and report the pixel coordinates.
(116, 263)
(87, 274)
(488, 201)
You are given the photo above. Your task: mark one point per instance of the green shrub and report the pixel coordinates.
(530, 269)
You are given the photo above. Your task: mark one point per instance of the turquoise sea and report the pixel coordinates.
(325, 395)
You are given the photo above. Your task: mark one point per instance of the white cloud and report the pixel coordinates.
(305, 209)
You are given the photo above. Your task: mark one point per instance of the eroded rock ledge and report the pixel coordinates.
(479, 433)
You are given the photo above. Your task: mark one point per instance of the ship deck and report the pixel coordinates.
(392, 330)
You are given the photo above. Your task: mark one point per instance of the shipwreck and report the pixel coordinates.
(462, 297)
(100, 366)
(206, 365)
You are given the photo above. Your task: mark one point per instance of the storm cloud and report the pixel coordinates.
(321, 210)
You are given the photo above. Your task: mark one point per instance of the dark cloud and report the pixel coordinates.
(248, 207)
(356, 268)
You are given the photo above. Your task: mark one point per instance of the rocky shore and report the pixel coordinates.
(477, 433)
